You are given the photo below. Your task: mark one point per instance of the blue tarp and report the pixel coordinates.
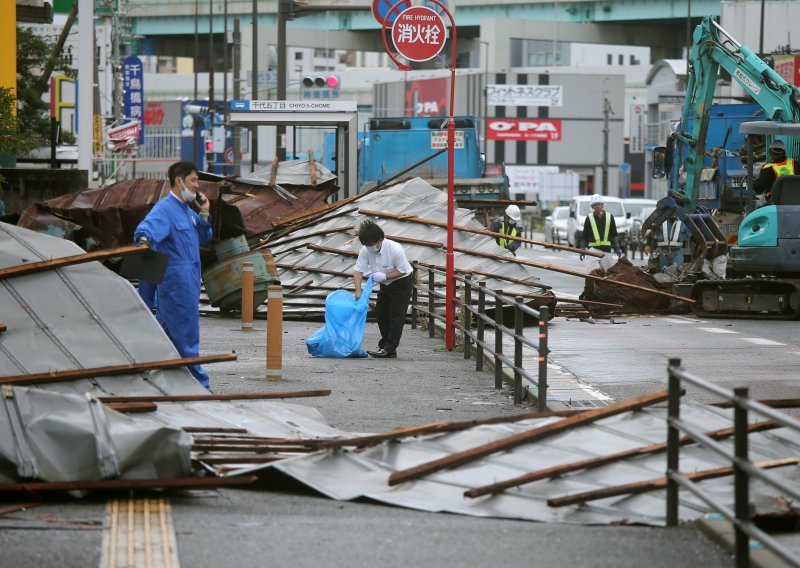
(343, 332)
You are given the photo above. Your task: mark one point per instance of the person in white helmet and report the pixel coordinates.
(600, 229)
(509, 224)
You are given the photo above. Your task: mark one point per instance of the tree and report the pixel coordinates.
(33, 112)
(12, 138)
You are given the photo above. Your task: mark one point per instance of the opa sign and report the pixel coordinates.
(523, 129)
(418, 33)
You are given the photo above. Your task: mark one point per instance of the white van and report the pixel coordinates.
(579, 208)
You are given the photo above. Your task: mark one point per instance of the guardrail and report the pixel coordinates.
(743, 468)
(477, 336)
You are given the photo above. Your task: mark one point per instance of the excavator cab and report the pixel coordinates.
(765, 264)
(769, 236)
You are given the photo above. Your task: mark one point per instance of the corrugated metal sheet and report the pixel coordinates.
(107, 217)
(346, 475)
(298, 264)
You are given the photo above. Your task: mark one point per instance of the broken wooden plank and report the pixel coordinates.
(478, 452)
(284, 240)
(64, 261)
(112, 370)
(19, 507)
(772, 403)
(2, 327)
(312, 269)
(312, 167)
(273, 174)
(214, 430)
(132, 407)
(486, 232)
(561, 269)
(227, 396)
(111, 484)
(659, 483)
(599, 461)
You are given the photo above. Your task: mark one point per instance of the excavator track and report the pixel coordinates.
(747, 298)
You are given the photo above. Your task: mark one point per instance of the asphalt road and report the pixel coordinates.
(627, 356)
(282, 525)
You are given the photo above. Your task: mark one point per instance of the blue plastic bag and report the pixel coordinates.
(343, 332)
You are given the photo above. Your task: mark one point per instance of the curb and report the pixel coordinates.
(720, 530)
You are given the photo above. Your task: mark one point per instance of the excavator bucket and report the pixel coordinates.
(704, 231)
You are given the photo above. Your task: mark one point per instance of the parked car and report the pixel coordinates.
(634, 205)
(579, 208)
(555, 225)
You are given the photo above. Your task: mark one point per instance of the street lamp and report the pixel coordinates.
(485, 96)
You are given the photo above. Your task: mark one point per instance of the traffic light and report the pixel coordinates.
(322, 86)
(210, 151)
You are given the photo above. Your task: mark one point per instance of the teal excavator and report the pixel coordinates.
(765, 265)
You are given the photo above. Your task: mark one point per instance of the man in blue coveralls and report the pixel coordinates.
(178, 225)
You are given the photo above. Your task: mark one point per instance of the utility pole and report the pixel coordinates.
(211, 59)
(606, 112)
(285, 13)
(237, 62)
(254, 94)
(85, 75)
(196, 46)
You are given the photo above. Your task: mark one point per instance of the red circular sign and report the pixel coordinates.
(418, 33)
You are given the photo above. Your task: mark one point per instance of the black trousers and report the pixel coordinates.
(391, 309)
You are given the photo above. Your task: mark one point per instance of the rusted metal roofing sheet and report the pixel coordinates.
(107, 217)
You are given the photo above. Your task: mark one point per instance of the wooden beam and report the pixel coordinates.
(202, 397)
(658, 483)
(111, 484)
(561, 269)
(284, 240)
(437, 427)
(486, 232)
(128, 407)
(64, 261)
(592, 463)
(478, 452)
(2, 327)
(77, 374)
(773, 403)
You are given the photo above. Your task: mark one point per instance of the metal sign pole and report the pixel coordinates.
(424, 53)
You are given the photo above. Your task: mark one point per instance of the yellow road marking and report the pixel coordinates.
(139, 533)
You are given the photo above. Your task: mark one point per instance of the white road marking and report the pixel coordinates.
(675, 320)
(716, 330)
(760, 341)
(688, 319)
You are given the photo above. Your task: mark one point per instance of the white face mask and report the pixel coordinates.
(187, 195)
(372, 249)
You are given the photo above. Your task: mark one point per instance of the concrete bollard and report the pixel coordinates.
(274, 333)
(247, 296)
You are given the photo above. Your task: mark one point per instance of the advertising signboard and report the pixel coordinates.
(636, 140)
(133, 91)
(523, 129)
(525, 95)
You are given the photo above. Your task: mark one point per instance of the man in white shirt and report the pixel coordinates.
(386, 261)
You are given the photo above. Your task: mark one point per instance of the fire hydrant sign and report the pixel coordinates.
(418, 33)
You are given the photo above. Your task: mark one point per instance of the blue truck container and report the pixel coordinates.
(394, 144)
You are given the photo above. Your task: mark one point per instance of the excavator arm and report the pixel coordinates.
(713, 48)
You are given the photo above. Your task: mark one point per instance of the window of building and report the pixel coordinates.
(298, 55)
(621, 59)
(610, 59)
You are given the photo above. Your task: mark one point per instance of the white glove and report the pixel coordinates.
(378, 277)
